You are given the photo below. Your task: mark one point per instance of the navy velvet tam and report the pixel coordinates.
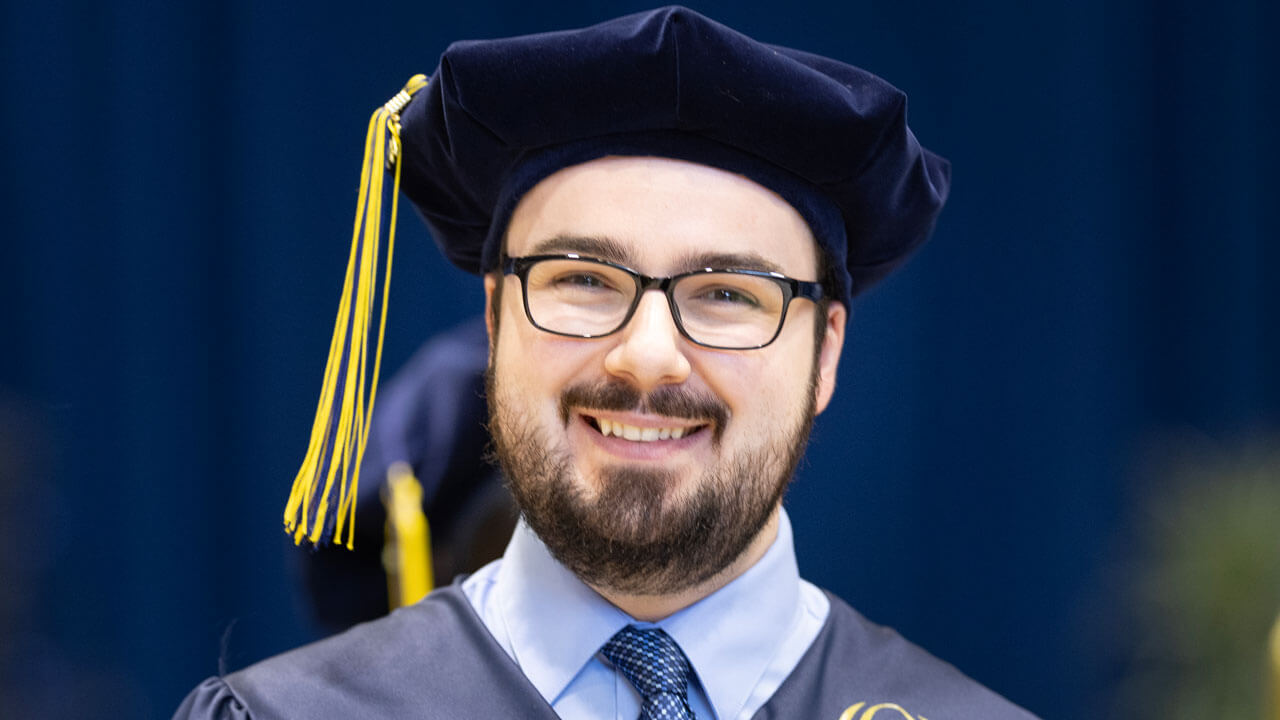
(500, 115)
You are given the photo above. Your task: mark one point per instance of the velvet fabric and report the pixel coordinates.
(830, 138)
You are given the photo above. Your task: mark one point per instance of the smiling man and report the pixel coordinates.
(671, 220)
(651, 458)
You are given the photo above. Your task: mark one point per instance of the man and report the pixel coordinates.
(431, 419)
(671, 220)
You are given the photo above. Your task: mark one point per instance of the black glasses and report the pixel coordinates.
(584, 297)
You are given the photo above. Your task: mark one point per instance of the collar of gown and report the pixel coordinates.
(556, 623)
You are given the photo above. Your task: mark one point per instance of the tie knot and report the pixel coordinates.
(651, 660)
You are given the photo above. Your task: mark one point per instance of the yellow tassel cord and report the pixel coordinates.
(338, 438)
(407, 552)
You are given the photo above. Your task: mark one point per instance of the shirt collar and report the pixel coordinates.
(731, 635)
(556, 623)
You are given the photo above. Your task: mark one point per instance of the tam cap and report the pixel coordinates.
(500, 115)
(830, 138)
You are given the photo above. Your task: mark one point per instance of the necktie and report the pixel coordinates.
(656, 667)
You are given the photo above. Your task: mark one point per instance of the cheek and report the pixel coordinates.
(762, 387)
(538, 365)
(741, 380)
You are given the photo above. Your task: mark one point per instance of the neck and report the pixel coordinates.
(652, 608)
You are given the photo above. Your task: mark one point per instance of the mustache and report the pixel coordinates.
(668, 401)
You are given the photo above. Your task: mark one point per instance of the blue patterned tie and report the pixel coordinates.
(654, 664)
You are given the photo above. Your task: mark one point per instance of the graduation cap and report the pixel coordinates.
(425, 468)
(497, 116)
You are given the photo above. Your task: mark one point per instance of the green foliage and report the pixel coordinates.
(1205, 584)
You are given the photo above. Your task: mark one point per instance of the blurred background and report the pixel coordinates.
(1052, 459)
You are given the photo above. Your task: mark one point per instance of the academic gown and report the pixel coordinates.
(435, 659)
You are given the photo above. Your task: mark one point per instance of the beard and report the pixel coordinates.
(634, 535)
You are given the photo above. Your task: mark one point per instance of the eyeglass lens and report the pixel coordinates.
(722, 309)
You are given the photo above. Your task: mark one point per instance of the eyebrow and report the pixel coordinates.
(609, 249)
(603, 248)
(728, 261)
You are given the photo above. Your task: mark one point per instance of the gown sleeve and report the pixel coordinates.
(212, 699)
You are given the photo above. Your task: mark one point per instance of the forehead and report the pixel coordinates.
(662, 216)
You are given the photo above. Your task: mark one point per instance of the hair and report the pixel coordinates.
(827, 276)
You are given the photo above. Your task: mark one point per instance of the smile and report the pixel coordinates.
(639, 434)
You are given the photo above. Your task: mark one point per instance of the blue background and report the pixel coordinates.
(178, 185)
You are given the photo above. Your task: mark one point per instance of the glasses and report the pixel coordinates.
(584, 297)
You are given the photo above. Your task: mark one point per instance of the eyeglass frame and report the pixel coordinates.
(791, 289)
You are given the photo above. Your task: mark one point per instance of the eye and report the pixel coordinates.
(579, 280)
(725, 297)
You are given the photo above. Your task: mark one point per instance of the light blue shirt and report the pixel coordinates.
(742, 640)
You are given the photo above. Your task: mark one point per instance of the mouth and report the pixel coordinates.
(635, 433)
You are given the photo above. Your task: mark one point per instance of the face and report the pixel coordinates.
(648, 464)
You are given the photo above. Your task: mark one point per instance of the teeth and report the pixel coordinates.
(638, 434)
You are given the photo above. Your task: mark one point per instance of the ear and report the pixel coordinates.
(829, 355)
(490, 284)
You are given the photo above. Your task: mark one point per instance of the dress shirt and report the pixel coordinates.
(742, 640)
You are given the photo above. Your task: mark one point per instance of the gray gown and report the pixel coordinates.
(435, 659)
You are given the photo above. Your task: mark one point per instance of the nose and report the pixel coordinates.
(650, 350)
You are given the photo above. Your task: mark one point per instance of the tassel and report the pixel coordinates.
(407, 552)
(322, 504)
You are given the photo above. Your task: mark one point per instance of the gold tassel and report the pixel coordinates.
(340, 433)
(407, 551)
